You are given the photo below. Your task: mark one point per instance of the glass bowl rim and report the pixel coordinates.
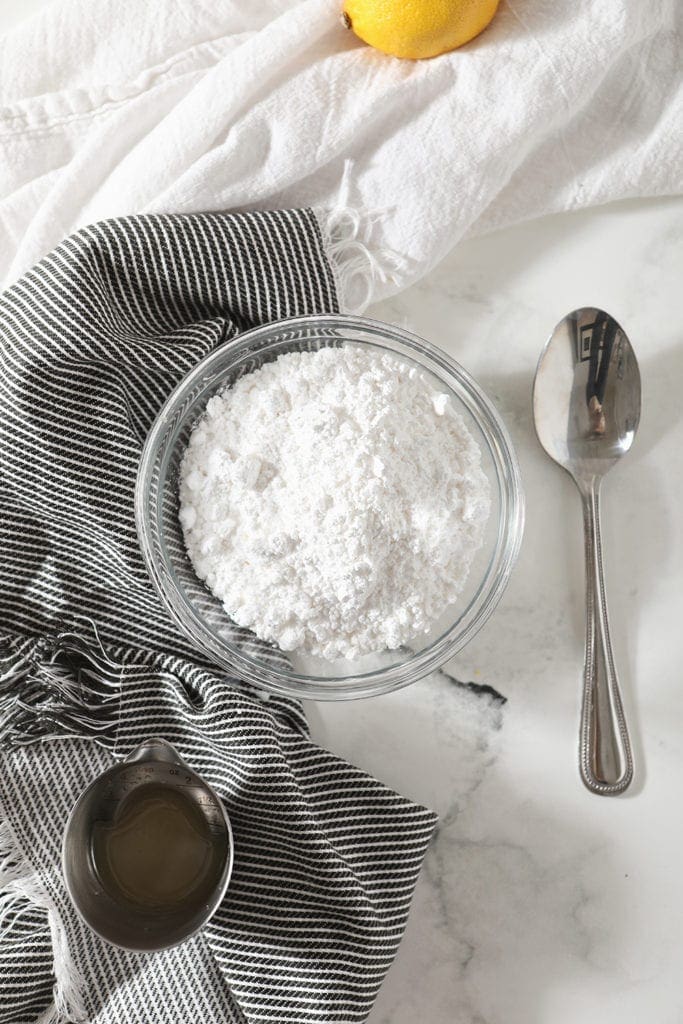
(474, 615)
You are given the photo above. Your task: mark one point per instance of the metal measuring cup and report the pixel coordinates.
(116, 920)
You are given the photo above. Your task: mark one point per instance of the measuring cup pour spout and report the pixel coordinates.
(155, 749)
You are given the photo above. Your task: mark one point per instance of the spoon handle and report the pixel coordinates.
(605, 758)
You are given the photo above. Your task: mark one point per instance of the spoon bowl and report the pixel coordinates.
(586, 404)
(587, 393)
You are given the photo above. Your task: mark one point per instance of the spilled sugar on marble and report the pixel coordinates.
(333, 501)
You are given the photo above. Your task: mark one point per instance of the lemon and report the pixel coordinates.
(418, 28)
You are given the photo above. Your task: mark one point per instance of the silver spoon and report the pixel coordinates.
(586, 411)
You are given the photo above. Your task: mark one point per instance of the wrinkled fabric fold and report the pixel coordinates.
(115, 107)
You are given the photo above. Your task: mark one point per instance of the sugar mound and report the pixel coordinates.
(333, 501)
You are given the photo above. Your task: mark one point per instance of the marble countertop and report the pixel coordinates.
(540, 903)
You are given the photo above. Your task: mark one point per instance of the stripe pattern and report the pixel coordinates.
(93, 340)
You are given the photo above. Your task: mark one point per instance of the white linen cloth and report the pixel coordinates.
(116, 106)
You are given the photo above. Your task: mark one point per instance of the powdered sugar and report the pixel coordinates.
(333, 501)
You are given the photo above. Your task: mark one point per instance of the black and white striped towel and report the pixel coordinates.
(92, 341)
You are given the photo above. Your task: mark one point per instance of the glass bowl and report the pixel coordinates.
(201, 616)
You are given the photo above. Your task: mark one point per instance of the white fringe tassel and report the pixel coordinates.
(19, 881)
(358, 266)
